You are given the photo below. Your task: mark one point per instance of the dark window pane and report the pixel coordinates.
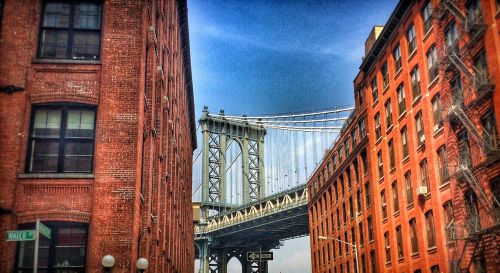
(78, 157)
(54, 44)
(44, 155)
(87, 15)
(56, 14)
(86, 45)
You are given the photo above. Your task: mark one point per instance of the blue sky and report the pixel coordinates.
(259, 57)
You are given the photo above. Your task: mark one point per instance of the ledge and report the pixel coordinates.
(438, 132)
(56, 175)
(410, 206)
(429, 31)
(433, 82)
(406, 159)
(398, 72)
(432, 250)
(415, 255)
(402, 115)
(417, 99)
(444, 186)
(412, 54)
(64, 61)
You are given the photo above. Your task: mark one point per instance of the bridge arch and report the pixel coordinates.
(234, 172)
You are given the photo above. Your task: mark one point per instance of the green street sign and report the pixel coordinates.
(21, 235)
(45, 231)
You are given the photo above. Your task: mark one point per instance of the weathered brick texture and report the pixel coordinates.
(138, 201)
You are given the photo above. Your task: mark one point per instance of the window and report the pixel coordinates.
(338, 218)
(388, 114)
(70, 30)
(373, 261)
(396, 54)
(334, 162)
(472, 221)
(488, 122)
(346, 147)
(374, 89)
(420, 129)
(409, 188)
(385, 75)
(361, 234)
(367, 194)
(451, 37)
(363, 264)
(411, 39)
(380, 165)
(432, 64)
(387, 247)
(353, 237)
(61, 139)
(399, 238)
(345, 245)
(348, 177)
(437, 113)
(362, 128)
(340, 248)
(395, 197)
(358, 200)
(361, 97)
(442, 164)
(392, 159)
(429, 226)
(336, 191)
(339, 153)
(456, 91)
(404, 142)
(356, 170)
(371, 236)
(448, 219)
(351, 207)
(474, 11)
(364, 161)
(413, 236)
(401, 99)
(415, 83)
(384, 204)
(424, 174)
(427, 16)
(482, 75)
(344, 213)
(64, 253)
(378, 127)
(353, 138)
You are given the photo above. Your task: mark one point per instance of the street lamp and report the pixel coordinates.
(142, 264)
(108, 262)
(353, 245)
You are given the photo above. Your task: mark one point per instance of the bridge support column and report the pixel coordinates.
(262, 175)
(245, 162)
(203, 248)
(222, 167)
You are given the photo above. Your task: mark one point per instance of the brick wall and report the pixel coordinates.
(137, 201)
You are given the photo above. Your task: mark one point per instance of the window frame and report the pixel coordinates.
(404, 142)
(55, 226)
(401, 99)
(427, 11)
(396, 55)
(411, 39)
(388, 114)
(415, 83)
(437, 112)
(62, 140)
(432, 63)
(71, 30)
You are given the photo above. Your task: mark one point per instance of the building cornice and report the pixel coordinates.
(186, 58)
(390, 27)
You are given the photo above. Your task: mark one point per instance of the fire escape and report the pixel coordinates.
(465, 237)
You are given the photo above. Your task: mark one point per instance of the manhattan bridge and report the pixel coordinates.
(252, 185)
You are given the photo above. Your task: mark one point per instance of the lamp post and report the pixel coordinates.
(108, 262)
(344, 242)
(142, 264)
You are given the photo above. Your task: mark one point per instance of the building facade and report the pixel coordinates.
(430, 82)
(97, 118)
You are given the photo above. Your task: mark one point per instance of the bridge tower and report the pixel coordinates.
(217, 132)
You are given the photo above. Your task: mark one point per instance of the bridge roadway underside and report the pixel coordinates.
(265, 232)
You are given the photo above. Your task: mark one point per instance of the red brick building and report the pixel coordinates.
(430, 81)
(97, 118)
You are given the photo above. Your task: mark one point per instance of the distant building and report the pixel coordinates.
(428, 91)
(97, 133)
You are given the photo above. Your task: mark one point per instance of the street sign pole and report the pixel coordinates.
(260, 259)
(37, 243)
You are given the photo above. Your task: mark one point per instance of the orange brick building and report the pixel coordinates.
(427, 89)
(97, 118)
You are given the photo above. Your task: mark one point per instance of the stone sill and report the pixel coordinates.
(56, 176)
(64, 61)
